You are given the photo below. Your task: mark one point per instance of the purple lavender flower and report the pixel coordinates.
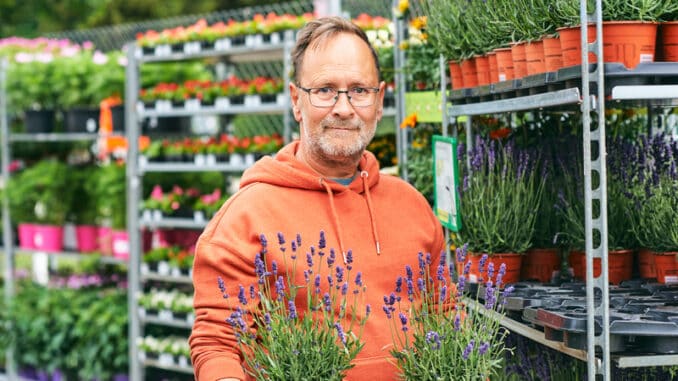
(421, 286)
(259, 268)
(264, 243)
(316, 283)
(359, 279)
(331, 258)
(490, 270)
(280, 288)
(500, 275)
(461, 252)
(433, 339)
(281, 241)
(253, 293)
(241, 295)
(322, 242)
(327, 302)
(410, 290)
(307, 278)
(340, 274)
(309, 260)
(481, 266)
(222, 287)
(467, 267)
(330, 280)
(443, 294)
(387, 311)
(267, 321)
(274, 268)
(490, 298)
(408, 271)
(403, 321)
(292, 310)
(468, 350)
(349, 256)
(483, 348)
(440, 273)
(422, 264)
(506, 293)
(461, 283)
(457, 322)
(368, 310)
(293, 245)
(298, 240)
(344, 288)
(340, 332)
(399, 284)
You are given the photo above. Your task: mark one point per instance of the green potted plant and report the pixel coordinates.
(46, 186)
(499, 197)
(29, 91)
(112, 198)
(84, 209)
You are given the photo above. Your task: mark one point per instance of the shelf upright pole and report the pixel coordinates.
(399, 64)
(598, 224)
(6, 218)
(287, 69)
(133, 180)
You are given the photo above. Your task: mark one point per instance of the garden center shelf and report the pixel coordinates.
(53, 137)
(72, 255)
(178, 323)
(160, 365)
(190, 167)
(183, 279)
(654, 83)
(173, 222)
(198, 109)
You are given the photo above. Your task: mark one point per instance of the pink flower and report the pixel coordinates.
(157, 194)
(177, 190)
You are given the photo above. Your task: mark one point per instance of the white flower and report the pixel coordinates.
(384, 35)
(371, 35)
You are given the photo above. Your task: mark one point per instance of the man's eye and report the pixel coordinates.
(324, 90)
(358, 90)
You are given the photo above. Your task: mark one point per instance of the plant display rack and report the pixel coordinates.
(586, 89)
(135, 114)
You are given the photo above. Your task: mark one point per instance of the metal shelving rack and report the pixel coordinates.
(136, 170)
(597, 355)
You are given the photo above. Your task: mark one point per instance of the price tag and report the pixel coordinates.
(192, 47)
(222, 102)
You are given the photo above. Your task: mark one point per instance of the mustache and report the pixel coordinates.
(347, 124)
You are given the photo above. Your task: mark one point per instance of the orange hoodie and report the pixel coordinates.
(382, 219)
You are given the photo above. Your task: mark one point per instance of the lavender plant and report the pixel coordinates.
(500, 197)
(282, 342)
(437, 333)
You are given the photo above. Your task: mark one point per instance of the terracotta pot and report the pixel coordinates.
(570, 44)
(540, 264)
(482, 70)
(477, 274)
(620, 265)
(553, 57)
(669, 41)
(468, 72)
(629, 42)
(455, 75)
(504, 64)
(625, 42)
(646, 266)
(519, 60)
(534, 57)
(666, 264)
(494, 74)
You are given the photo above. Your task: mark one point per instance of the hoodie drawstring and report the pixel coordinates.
(363, 175)
(335, 216)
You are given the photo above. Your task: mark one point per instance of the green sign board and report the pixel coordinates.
(446, 178)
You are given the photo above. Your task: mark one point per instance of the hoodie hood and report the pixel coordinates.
(285, 170)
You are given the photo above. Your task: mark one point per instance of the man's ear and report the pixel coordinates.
(294, 96)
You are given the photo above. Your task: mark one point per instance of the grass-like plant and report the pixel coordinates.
(317, 343)
(438, 333)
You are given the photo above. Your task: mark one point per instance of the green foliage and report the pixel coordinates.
(83, 333)
(28, 85)
(41, 193)
(567, 11)
(112, 194)
(500, 197)
(83, 208)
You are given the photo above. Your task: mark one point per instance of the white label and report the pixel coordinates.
(222, 44)
(163, 268)
(670, 279)
(165, 315)
(192, 104)
(121, 246)
(646, 57)
(222, 102)
(163, 50)
(211, 159)
(502, 77)
(192, 47)
(199, 159)
(252, 100)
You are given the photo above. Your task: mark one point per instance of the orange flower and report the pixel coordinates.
(409, 121)
(500, 133)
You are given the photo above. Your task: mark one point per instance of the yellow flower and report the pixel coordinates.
(409, 121)
(419, 22)
(403, 6)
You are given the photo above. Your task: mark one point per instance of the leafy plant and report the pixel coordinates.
(29, 81)
(112, 196)
(83, 208)
(567, 11)
(500, 197)
(439, 336)
(288, 345)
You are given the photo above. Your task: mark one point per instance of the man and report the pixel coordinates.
(325, 181)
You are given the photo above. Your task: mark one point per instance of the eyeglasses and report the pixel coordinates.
(328, 96)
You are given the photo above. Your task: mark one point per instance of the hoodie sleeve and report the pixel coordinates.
(222, 252)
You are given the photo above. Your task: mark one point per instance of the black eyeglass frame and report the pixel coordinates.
(373, 90)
